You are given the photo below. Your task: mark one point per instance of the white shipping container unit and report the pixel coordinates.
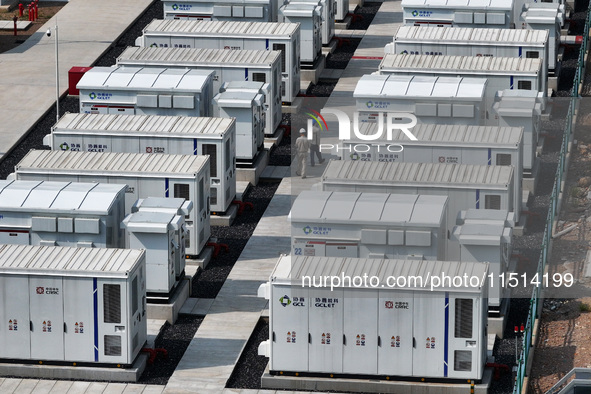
(383, 331)
(177, 135)
(431, 99)
(309, 16)
(61, 214)
(228, 10)
(467, 186)
(452, 144)
(373, 225)
(72, 304)
(545, 16)
(341, 10)
(176, 206)
(466, 13)
(328, 17)
(487, 235)
(459, 41)
(146, 91)
(501, 72)
(521, 108)
(248, 110)
(268, 36)
(156, 233)
(257, 88)
(239, 65)
(170, 176)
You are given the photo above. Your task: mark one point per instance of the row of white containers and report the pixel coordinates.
(231, 35)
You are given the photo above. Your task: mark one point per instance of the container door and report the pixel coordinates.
(464, 337)
(79, 308)
(395, 325)
(15, 337)
(14, 237)
(47, 317)
(326, 331)
(430, 319)
(289, 329)
(112, 328)
(342, 249)
(360, 351)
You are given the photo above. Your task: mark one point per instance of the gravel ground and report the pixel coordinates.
(175, 339)
(250, 366)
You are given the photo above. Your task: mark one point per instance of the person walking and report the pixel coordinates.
(302, 147)
(315, 146)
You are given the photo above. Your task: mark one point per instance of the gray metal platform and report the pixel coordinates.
(27, 86)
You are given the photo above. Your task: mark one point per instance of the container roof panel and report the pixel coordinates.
(292, 269)
(437, 174)
(370, 85)
(16, 193)
(429, 209)
(96, 76)
(472, 87)
(170, 78)
(340, 206)
(309, 205)
(121, 77)
(115, 164)
(370, 207)
(59, 261)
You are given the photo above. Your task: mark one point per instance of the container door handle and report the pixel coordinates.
(414, 342)
(379, 341)
(65, 328)
(344, 340)
(273, 336)
(309, 338)
(30, 325)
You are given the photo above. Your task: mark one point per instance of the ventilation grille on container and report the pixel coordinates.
(112, 303)
(213, 195)
(259, 77)
(112, 345)
(503, 159)
(462, 360)
(135, 340)
(134, 296)
(281, 47)
(181, 190)
(201, 234)
(227, 193)
(492, 202)
(188, 239)
(210, 149)
(463, 318)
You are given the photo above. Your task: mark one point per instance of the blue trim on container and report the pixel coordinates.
(489, 156)
(446, 339)
(166, 187)
(520, 51)
(95, 311)
(267, 43)
(477, 198)
(511, 83)
(194, 147)
(246, 74)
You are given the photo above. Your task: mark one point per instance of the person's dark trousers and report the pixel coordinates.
(315, 149)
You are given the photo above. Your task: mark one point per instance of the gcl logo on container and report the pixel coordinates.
(100, 96)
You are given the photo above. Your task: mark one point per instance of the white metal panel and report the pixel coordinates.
(79, 319)
(360, 350)
(395, 328)
(430, 316)
(326, 331)
(289, 328)
(47, 316)
(15, 337)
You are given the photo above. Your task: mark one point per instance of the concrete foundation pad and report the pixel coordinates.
(131, 374)
(170, 310)
(304, 85)
(331, 74)
(20, 25)
(274, 139)
(313, 73)
(197, 306)
(226, 219)
(294, 107)
(276, 172)
(529, 181)
(202, 260)
(370, 385)
(330, 47)
(241, 188)
(344, 24)
(253, 173)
